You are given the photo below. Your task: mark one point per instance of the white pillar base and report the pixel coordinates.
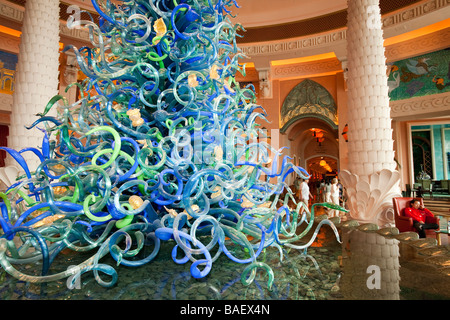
(370, 197)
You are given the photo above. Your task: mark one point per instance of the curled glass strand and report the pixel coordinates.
(252, 269)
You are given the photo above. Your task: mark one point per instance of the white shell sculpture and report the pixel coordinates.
(370, 197)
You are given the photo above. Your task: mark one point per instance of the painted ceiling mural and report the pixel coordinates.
(419, 76)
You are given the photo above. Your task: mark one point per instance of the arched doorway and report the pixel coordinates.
(322, 167)
(309, 120)
(422, 154)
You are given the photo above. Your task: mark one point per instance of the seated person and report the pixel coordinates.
(419, 214)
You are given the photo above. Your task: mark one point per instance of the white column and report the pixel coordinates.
(36, 75)
(371, 180)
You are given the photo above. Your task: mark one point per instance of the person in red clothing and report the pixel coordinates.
(419, 214)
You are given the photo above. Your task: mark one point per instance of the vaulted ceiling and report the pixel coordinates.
(267, 20)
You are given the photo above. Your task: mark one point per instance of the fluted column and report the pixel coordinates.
(36, 75)
(371, 180)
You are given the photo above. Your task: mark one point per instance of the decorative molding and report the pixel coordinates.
(76, 33)
(279, 47)
(306, 69)
(413, 12)
(336, 38)
(333, 38)
(425, 105)
(432, 42)
(11, 11)
(9, 43)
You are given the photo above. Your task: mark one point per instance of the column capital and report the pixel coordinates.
(265, 83)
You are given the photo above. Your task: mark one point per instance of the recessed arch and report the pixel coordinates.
(309, 116)
(308, 99)
(312, 163)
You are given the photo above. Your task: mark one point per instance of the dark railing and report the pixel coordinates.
(432, 187)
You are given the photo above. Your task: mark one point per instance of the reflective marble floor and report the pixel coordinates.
(366, 265)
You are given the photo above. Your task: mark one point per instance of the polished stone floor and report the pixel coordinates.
(328, 270)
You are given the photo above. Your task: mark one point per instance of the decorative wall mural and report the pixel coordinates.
(308, 97)
(8, 63)
(419, 76)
